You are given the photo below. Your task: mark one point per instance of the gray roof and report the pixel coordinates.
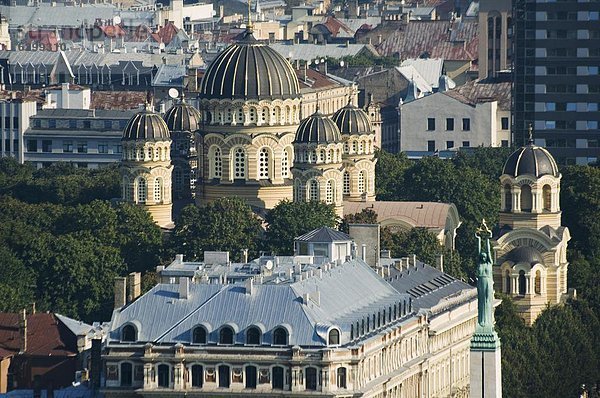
(531, 160)
(348, 293)
(78, 328)
(309, 52)
(524, 254)
(85, 113)
(146, 126)
(352, 120)
(317, 129)
(56, 16)
(169, 76)
(324, 234)
(428, 286)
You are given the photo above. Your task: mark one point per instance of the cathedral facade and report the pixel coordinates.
(531, 244)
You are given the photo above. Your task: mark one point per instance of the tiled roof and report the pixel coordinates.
(309, 52)
(433, 39)
(46, 335)
(418, 214)
(478, 91)
(313, 79)
(124, 100)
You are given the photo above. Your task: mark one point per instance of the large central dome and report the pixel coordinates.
(250, 69)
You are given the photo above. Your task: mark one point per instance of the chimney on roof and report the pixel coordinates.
(414, 260)
(120, 288)
(23, 330)
(184, 288)
(249, 285)
(364, 252)
(245, 256)
(134, 286)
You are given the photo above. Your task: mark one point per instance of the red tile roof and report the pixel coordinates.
(487, 90)
(46, 335)
(166, 33)
(112, 31)
(314, 79)
(449, 40)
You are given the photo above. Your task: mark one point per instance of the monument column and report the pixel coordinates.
(486, 372)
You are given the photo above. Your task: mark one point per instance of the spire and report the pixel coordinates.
(249, 25)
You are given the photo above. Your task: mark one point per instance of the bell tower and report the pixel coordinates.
(531, 244)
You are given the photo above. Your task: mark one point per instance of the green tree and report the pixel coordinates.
(366, 216)
(227, 224)
(289, 220)
(389, 171)
(17, 283)
(488, 160)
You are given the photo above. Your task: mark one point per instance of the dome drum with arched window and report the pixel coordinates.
(146, 166)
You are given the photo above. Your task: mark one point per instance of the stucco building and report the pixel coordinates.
(338, 329)
(531, 244)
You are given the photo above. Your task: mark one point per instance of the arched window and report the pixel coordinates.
(361, 181)
(126, 190)
(298, 190)
(313, 190)
(263, 164)
(526, 198)
(164, 375)
(507, 283)
(158, 190)
(310, 376)
(251, 376)
(277, 378)
(538, 282)
(253, 336)
(199, 335)
(226, 335)
(334, 337)
(224, 376)
(507, 198)
(217, 163)
(252, 115)
(197, 376)
(346, 183)
(141, 190)
(285, 163)
(330, 194)
(354, 147)
(341, 378)
(239, 164)
(547, 196)
(280, 336)
(330, 156)
(128, 333)
(522, 283)
(322, 155)
(126, 374)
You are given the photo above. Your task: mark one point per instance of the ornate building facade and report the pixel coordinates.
(338, 330)
(183, 121)
(146, 165)
(531, 245)
(250, 106)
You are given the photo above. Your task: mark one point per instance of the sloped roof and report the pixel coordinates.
(411, 74)
(428, 286)
(417, 214)
(308, 52)
(45, 335)
(486, 90)
(324, 234)
(448, 40)
(348, 293)
(429, 68)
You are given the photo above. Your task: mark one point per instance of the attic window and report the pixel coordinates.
(128, 333)
(334, 337)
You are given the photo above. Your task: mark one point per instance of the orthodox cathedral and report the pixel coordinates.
(247, 139)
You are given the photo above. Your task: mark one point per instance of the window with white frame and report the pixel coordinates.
(285, 163)
(239, 163)
(217, 163)
(158, 190)
(141, 190)
(329, 192)
(361, 181)
(346, 183)
(263, 164)
(313, 190)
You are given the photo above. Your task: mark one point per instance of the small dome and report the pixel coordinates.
(532, 160)
(352, 120)
(182, 117)
(317, 129)
(146, 126)
(250, 69)
(524, 254)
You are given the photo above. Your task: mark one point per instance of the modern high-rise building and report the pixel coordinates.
(556, 77)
